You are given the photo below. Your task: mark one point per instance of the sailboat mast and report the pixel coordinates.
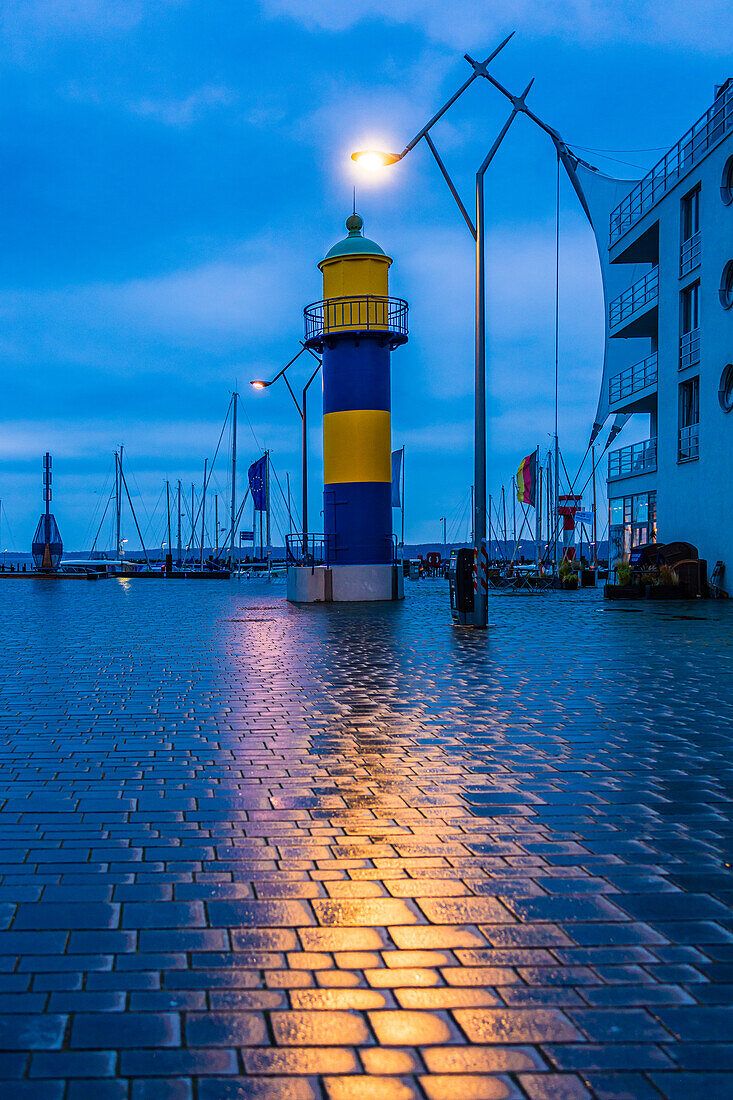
(402, 497)
(216, 522)
(235, 397)
(503, 508)
(118, 499)
(555, 511)
(203, 514)
(514, 514)
(267, 499)
(168, 506)
(179, 521)
(595, 525)
(47, 487)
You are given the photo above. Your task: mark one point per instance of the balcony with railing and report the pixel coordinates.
(690, 254)
(689, 349)
(689, 150)
(356, 314)
(633, 379)
(631, 306)
(638, 458)
(689, 443)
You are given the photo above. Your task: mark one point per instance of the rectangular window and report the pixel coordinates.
(617, 511)
(641, 508)
(689, 420)
(690, 214)
(690, 402)
(690, 301)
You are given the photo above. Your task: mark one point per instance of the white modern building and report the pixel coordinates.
(666, 249)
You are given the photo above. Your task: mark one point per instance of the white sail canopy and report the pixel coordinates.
(599, 195)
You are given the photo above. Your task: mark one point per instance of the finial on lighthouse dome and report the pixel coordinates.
(355, 224)
(356, 243)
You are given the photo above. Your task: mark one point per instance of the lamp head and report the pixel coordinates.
(374, 159)
(259, 385)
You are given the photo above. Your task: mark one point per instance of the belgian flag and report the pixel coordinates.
(527, 480)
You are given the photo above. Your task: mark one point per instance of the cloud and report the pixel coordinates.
(252, 297)
(520, 295)
(705, 26)
(147, 441)
(185, 111)
(25, 23)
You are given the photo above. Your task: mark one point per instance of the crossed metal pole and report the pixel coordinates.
(477, 230)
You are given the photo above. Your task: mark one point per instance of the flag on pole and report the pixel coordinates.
(527, 480)
(396, 473)
(257, 475)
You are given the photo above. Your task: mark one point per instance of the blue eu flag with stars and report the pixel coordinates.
(257, 483)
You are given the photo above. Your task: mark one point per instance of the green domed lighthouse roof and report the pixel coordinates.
(355, 243)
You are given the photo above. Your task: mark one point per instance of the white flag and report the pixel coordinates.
(396, 473)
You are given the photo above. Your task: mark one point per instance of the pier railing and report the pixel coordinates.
(306, 549)
(319, 549)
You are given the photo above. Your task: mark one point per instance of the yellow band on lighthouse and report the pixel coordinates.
(357, 446)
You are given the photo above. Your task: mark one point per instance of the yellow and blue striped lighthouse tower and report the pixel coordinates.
(356, 326)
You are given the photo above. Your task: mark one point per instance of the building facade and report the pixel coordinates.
(668, 278)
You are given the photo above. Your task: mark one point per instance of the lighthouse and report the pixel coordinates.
(355, 326)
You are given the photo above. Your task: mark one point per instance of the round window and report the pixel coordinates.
(726, 183)
(726, 286)
(725, 393)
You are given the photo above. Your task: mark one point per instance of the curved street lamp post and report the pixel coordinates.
(301, 406)
(374, 158)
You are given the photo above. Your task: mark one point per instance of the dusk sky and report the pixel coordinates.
(173, 170)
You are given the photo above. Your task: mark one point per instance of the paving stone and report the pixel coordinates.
(407, 1028)
(32, 1032)
(302, 1028)
(553, 1086)
(694, 1086)
(251, 1088)
(145, 1029)
(621, 1086)
(173, 1063)
(438, 1087)
(175, 1089)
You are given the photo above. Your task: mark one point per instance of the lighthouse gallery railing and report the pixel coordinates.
(357, 313)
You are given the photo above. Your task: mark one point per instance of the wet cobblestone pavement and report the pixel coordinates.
(250, 850)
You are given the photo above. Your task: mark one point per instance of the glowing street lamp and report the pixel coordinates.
(374, 159)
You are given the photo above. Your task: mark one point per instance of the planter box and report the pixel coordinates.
(666, 592)
(588, 578)
(623, 592)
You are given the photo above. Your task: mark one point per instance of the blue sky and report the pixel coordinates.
(174, 169)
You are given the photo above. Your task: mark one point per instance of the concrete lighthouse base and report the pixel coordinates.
(345, 583)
